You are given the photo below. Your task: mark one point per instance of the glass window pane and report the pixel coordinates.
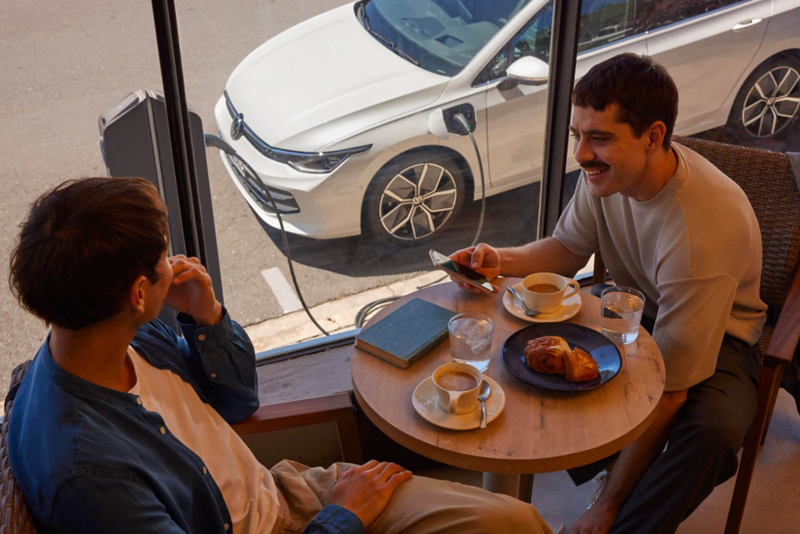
(604, 22)
(339, 108)
(309, 79)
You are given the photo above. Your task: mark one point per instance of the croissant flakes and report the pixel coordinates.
(552, 355)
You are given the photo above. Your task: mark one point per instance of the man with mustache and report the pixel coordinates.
(670, 224)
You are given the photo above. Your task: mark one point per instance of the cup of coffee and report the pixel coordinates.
(544, 292)
(457, 387)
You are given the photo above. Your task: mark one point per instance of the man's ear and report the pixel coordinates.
(655, 136)
(138, 293)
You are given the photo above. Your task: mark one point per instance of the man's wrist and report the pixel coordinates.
(499, 261)
(211, 319)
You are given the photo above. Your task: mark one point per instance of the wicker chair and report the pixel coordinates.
(16, 519)
(771, 187)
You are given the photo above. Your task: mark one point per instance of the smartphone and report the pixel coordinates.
(460, 271)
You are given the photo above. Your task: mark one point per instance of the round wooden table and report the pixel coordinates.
(539, 430)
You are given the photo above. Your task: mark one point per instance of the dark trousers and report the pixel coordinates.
(702, 446)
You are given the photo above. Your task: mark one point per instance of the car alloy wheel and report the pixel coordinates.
(418, 201)
(772, 102)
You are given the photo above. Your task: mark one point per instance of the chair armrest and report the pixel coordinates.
(787, 331)
(332, 408)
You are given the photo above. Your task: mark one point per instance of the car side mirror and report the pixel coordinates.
(529, 70)
(507, 84)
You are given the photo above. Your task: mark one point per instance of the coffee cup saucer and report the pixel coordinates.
(424, 401)
(569, 308)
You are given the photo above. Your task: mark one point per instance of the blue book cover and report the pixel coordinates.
(407, 333)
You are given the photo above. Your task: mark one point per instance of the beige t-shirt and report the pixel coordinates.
(694, 250)
(247, 486)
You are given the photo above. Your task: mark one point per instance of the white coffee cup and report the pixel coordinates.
(538, 298)
(456, 401)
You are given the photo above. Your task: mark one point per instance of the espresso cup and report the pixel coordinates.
(544, 292)
(457, 387)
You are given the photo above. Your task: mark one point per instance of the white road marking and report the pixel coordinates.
(282, 290)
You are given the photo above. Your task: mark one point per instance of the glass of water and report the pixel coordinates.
(471, 339)
(622, 312)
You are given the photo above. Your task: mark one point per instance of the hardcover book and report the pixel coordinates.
(406, 334)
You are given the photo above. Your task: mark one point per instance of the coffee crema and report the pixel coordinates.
(457, 381)
(543, 288)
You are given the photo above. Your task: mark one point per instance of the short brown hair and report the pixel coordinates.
(643, 90)
(83, 245)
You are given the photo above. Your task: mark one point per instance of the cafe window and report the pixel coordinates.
(338, 127)
(348, 119)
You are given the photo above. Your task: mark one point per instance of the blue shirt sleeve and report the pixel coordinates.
(223, 362)
(335, 520)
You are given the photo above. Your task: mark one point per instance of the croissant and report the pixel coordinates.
(546, 354)
(581, 367)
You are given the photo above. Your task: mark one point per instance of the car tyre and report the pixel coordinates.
(412, 198)
(768, 102)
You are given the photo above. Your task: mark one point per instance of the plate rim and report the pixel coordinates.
(549, 386)
(489, 421)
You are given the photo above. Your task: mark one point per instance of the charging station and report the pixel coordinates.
(135, 141)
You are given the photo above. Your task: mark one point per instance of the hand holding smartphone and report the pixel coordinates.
(461, 271)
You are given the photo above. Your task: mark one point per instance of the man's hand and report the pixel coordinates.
(483, 258)
(365, 490)
(596, 520)
(191, 291)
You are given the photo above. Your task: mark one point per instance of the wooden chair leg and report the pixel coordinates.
(347, 431)
(525, 492)
(767, 384)
(775, 389)
(599, 272)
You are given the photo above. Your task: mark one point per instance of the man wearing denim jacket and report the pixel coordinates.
(122, 426)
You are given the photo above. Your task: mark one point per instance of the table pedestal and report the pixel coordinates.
(517, 486)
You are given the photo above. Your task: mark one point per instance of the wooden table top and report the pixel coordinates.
(539, 430)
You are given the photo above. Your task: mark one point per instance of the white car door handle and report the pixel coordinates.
(745, 24)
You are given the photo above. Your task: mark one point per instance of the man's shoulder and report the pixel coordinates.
(704, 178)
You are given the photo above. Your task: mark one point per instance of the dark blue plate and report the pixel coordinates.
(604, 352)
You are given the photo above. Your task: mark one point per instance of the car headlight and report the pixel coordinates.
(322, 162)
(312, 162)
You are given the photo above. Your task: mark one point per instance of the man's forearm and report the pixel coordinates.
(546, 255)
(634, 460)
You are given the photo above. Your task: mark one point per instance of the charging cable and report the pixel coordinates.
(216, 142)
(364, 312)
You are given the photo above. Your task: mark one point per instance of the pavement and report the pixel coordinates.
(334, 316)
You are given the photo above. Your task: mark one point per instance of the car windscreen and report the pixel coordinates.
(442, 36)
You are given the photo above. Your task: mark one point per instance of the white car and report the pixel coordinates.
(337, 115)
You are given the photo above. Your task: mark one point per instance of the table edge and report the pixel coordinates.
(499, 465)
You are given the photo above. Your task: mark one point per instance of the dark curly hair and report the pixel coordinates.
(83, 245)
(643, 90)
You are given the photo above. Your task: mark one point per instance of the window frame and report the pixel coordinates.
(565, 28)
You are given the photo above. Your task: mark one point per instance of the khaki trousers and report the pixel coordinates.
(419, 506)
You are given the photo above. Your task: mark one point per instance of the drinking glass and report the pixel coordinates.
(471, 339)
(622, 313)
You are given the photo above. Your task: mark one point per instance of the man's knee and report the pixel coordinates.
(716, 444)
(511, 515)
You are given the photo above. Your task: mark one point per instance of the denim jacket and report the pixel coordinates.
(92, 460)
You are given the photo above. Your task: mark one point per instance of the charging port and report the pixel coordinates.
(453, 125)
